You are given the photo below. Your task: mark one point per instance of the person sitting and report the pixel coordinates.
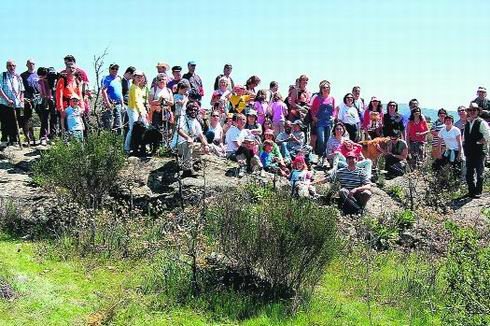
(271, 162)
(269, 135)
(339, 136)
(396, 153)
(301, 179)
(247, 156)
(186, 131)
(340, 159)
(354, 186)
(214, 135)
(292, 140)
(235, 136)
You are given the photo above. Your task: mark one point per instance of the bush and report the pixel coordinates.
(87, 171)
(384, 231)
(10, 218)
(270, 236)
(467, 273)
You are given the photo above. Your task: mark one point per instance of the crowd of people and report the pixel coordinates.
(257, 127)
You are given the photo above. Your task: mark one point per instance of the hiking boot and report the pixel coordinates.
(189, 174)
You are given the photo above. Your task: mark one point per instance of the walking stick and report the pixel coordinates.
(17, 127)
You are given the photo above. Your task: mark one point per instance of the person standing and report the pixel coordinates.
(195, 81)
(67, 85)
(112, 97)
(177, 77)
(227, 75)
(476, 137)
(29, 79)
(136, 106)
(11, 102)
(46, 109)
(162, 68)
(481, 99)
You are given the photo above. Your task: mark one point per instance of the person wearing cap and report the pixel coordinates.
(161, 101)
(189, 129)
(113, 100)
(68, 84)
(74, 120)
(395, 153)
(247, 155)
(11, 102)
(475, 140)
(339, 160)
(176, 78)
(252, 123)
(481, 99)
(136, 106)
(194, 80)
(301, 179)
(269, 135)
(226, 75)
(355, 186)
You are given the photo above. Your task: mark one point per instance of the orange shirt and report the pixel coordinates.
(64, 92)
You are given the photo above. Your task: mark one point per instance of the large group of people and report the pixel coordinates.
(257, 127)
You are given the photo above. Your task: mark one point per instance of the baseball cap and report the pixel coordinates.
(176, 68)
(350, 154)
(481, 89)
(138, 73)
(191, 63)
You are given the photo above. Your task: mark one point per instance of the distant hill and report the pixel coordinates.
(427, 112)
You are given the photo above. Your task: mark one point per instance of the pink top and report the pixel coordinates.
(279, 111)
(356, 148)
(261, 109)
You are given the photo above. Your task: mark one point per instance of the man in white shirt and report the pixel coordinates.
(11, 102)
(235, 135)
(187, 130)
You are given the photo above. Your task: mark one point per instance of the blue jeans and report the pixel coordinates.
(112, 119)
(322, 134)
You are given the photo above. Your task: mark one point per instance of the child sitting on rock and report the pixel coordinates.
(270, 161)
(301, 179)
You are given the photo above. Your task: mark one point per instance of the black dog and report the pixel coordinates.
(142, 136)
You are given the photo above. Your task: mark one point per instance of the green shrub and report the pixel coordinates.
(467, 273)
(87, 171)
(384, 231)
(11, 221)
(287, 242)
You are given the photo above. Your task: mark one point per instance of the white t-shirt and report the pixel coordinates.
(232, 135)
(450, 137)
(191, 127)
(348, 115)
(218, 131)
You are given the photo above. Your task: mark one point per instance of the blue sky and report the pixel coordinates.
(437, 51)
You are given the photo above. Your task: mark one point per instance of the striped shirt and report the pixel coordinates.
(437, 126)
(352, 179)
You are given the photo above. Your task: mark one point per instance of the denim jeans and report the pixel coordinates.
(323, 134)
(112, 119)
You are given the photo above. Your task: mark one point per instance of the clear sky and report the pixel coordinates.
(435, 50)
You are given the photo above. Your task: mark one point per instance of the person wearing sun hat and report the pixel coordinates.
(476, 139)
(481, 99)
(162, 68)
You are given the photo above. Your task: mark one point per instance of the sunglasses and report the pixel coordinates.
(215, 116)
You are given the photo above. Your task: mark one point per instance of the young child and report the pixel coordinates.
(181, 98)
(301, 179)
(279, 113)
(261, 106)
(270, 161)
(73, 114)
